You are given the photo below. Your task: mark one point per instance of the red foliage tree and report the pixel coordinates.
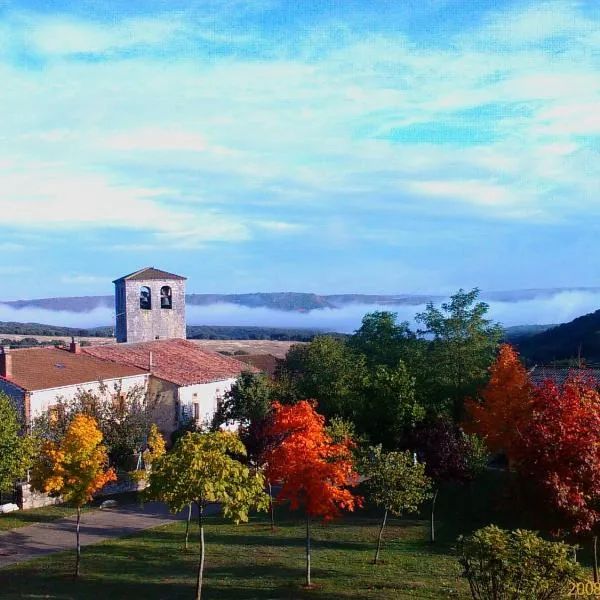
(314, 472)
(505, 404)
(560, 452)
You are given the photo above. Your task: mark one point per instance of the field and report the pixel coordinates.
(249, 561)
(276, 348)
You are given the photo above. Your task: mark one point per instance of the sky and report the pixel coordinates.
(317, 146)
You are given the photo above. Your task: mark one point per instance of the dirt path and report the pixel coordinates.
(33, 541)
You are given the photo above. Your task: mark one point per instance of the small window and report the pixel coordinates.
(196, 411)
(166, 297)
(145, 298)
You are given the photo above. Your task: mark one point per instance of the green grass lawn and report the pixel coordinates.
(248, 561)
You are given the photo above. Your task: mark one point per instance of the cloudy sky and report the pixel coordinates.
(326, 146)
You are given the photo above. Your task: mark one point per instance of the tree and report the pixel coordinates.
(462, 345)
(449, 454)
(325, 369)
(314, 472)
(396, 482)
(560, 454)
(505, 405)
(200, 469)
(124, 418)
(389, 407)
(510, 565)
(383, 341)
(17, 450)
(74, 467)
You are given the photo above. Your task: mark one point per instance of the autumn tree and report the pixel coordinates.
(461, 346)
(75, 467)
(396, 482)
(314, 472)
(561, 456)
(17, 450)
(200, 469)
(504, 405)
(449, 454)
(123, 416)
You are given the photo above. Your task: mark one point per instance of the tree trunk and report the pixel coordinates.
(187, 526)
(201, 562)
(433, 515)
(78, 558)
(271, 508)
(385, 514)
(595, 559)
(308, 550)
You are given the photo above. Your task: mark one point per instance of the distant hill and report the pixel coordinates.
(293, 301)
(516, 333)
(579, 337)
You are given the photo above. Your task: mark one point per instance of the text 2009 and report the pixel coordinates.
(588, 588)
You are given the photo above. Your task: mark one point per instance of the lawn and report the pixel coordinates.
(248, 561)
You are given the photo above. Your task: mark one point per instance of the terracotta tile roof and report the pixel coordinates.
(179, 361)
(45, 368)
(149, 273)
(558, 375)
(263, 362)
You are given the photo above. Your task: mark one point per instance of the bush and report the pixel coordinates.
(510, 565)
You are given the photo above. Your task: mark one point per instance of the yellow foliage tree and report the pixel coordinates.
(155, 448)
(75, 467)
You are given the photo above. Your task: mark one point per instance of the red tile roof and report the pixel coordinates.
(263, 362)
(179, 361)
(149, 273)
(45, 368)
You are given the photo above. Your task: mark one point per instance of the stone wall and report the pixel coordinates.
(27, 498)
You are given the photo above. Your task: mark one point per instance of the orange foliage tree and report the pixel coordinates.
(505, 404)
(314, 471)
(74, 467)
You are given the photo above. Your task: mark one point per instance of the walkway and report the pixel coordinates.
(32, 541)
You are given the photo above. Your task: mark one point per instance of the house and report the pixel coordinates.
(34, 378)
(558, 374)
(187, 381)
(266, 363)
(181, 379)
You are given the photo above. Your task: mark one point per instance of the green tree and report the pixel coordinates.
(388, 407)
(327, 370)
(462, 346)
(510, 565)
(396, 482)
(17, 450)
(383, 341)
(200, 469)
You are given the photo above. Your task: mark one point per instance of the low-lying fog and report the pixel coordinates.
(559, 308)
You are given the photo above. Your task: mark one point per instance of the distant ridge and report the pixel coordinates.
(293, 301)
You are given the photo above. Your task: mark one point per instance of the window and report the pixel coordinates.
(166, 297)
(196, 411)
(145, 298)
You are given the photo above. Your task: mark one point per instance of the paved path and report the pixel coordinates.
(32, 541)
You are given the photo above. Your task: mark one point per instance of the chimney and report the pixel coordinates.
(74, 347)
(5, 362)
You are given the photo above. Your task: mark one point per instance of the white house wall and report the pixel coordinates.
(42, 399)
(206, 395)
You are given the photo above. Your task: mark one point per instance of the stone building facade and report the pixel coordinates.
(150, 305)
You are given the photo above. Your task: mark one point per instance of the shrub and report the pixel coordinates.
(510, 565)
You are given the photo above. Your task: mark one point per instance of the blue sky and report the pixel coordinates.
(325, 146)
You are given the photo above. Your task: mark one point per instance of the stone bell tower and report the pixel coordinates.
(149, 305)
